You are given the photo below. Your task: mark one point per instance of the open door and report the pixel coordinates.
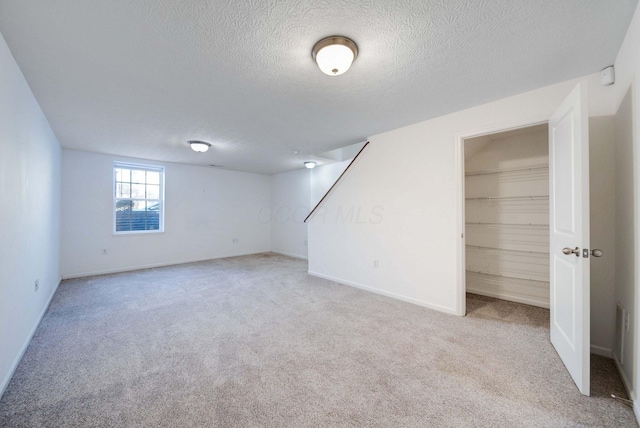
(569, 230)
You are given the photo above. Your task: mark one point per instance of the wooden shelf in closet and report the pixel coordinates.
(517, 289)
(516, 170)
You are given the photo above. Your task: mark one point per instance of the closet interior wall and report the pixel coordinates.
(507, 215)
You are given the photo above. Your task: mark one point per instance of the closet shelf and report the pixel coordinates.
(527, 291)
(494, 250)
(510, 225)
(526, 168)
(511, 198)
(500, 279)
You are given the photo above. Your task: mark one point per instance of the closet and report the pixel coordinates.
(507, 215)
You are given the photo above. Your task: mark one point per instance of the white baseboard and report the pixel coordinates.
(602, 351)
(155, 265)
(295, 256)
(628, 386)
(16, 361)
(396, 296)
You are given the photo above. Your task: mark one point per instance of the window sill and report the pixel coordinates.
(138, 232)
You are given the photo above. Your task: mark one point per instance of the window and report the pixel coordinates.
(138, 201)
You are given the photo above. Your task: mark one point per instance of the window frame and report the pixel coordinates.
(139, 167)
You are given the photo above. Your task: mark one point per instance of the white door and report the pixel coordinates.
(569, 229)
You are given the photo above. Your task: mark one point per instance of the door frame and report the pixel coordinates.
(461, 299)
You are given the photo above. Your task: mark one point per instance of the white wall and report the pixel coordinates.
(290, 199)
(602, 213)
(30, 214)
(293, 195)
(205, 208)
(323, 177)
(625, 225)
(404, 197)
(627, 161)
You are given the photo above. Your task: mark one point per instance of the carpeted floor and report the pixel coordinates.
(255, 341)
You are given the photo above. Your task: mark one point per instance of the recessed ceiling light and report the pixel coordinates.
(199, 146)
(310, 164)
(334, 55)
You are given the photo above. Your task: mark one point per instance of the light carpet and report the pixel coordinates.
(255, 341)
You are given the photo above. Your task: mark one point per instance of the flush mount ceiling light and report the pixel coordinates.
(310, 164)
(199, 146)
(334, 54)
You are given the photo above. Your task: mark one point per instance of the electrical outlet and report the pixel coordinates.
(36, 285)
(235, 240)
(376, 265)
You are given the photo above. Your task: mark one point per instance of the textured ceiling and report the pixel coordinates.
(141, 77)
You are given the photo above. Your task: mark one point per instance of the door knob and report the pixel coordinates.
(567, 251)
(597, 253)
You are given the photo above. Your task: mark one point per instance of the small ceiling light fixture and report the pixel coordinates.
(334, 54)
(310, 164)
(199, 146)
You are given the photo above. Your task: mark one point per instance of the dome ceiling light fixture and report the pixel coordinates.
(334, 55)
(310, 164)
(199, 146)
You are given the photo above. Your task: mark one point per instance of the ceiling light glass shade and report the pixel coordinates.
(334, 55)
(310, 164)
(199, 146)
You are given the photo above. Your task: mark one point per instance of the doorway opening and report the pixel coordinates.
(557, 200)
(506, 206)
